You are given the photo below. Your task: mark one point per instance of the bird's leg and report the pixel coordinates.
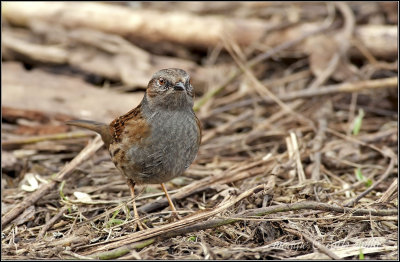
(138, 223)
(171, 204)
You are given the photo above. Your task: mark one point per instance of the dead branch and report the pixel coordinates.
(115, 58)
(348, 87)
(154, 26)
(45, 54)
(194, 30)
(380, 40)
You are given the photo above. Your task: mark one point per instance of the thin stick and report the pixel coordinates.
(52, 221)
(72, 254)
(85, 154)
(390, 82)
(299, 165)
(388, 193)
(314, 242)
(118, 252)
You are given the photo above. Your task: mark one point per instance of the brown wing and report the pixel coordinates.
(131, 126)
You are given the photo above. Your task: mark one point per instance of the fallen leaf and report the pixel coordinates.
(84, 197)
(32, 183)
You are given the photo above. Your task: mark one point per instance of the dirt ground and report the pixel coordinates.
(299, 110)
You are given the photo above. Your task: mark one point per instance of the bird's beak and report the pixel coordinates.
(179, 86)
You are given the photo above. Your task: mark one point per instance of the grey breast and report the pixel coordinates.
(170, 149)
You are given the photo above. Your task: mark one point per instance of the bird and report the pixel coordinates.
(157, 140)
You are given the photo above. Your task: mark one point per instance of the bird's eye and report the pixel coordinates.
(161, 81)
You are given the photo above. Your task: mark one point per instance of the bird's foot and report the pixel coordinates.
(139, 225)
(174, 217)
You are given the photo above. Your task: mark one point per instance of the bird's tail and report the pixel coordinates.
(100, 128)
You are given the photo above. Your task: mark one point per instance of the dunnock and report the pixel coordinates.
(157, 140)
